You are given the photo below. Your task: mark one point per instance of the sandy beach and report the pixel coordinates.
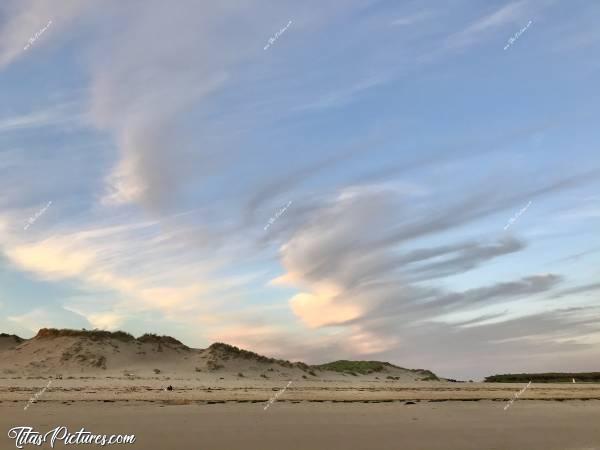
(229, 414)
(530, 425)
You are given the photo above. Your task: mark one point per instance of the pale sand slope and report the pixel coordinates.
(67, 353)
(9, 341)
(527, 425)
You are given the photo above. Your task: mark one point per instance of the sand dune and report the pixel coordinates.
(62, 353)
(9, 341)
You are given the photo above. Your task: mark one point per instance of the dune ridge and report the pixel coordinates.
(61, 352)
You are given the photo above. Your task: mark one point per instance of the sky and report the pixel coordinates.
(407, 181)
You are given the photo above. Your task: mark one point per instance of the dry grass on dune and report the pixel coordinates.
(64, 352)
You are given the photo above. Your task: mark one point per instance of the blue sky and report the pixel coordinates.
(403, 133)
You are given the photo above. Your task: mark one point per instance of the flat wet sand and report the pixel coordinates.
(452, 425)
(229, 414)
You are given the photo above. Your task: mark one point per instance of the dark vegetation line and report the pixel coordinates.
(368, 367)
(549, 377)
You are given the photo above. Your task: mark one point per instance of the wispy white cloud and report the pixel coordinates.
(511, 13)
(56, 115)
(26, 17)
(104, 259)
(105, 320)
(343, 96)
(411, 19)
(34, 319)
